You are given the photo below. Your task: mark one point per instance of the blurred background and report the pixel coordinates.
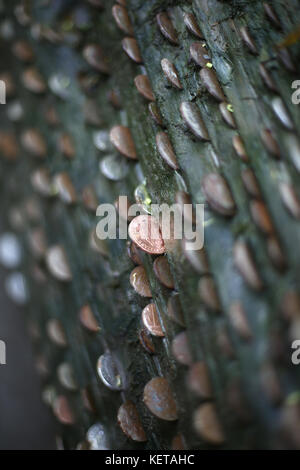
(25, 421)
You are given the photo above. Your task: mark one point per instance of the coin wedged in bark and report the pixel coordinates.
(158, 397)
(140, 282)
(144, 231)
(151, 320)
(130, 423)
(218, 194)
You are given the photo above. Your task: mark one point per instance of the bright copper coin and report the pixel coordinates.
(151, 320)
(140, 282)
(144, 231)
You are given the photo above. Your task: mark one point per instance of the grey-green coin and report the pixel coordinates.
(108, 372)
(114, 167)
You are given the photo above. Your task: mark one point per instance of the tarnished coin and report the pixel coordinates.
(151, 320)
(146, 341)
(162, 271)
(181, 350)
(108, 371)
(144, 231)
(130, 423)
(114, 167)
(158, 397)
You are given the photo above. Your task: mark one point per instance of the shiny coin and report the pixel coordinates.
(108, 372)
(146, 341)
(191, 24)
(97, 438)
(212, 84)
(151, 320)
(171, 73)
(140, 282)
(114, 167)
(145, 233)
(166, 27)
(192, 116)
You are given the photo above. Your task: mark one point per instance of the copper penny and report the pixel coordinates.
(139, 281)
(146, 341)
(181, 350)
(162, 271)
(63, 411)
(134, 253)
(88, 319)
(144, 231)
(158, 397)
(151, 320)
(130, 423)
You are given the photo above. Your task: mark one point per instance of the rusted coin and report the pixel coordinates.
(144, 231)
(158, 397)
(139, 281)
(151, 320)
(130, 423)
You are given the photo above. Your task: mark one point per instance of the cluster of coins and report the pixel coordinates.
(140, 334)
